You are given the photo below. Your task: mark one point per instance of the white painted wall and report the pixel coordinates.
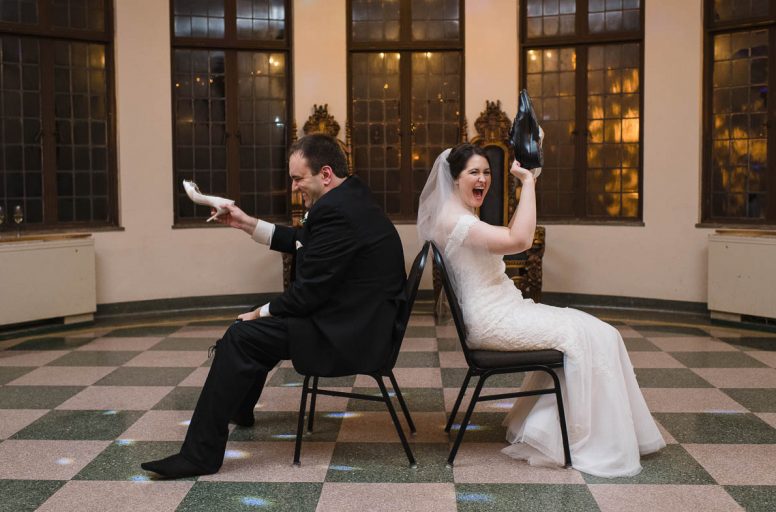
(665, 259)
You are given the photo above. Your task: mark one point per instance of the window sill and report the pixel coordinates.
(10, 231)
(750, 227)
(591, 222)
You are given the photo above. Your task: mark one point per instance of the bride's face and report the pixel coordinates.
(474, 181)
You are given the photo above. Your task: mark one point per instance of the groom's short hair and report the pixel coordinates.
(319, 150)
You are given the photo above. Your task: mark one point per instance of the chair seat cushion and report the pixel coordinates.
(499, 359)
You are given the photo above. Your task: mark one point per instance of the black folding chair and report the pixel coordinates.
(486, 363)
(411, 291)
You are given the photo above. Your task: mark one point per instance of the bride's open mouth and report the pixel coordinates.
(478, 193)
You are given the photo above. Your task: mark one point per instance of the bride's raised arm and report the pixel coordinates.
(519, 235)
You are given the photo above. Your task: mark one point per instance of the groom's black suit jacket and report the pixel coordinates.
(349, 281)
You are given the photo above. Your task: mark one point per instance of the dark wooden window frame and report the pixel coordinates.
(581, 41)
(710, 29)
(46, 34)
(230, 44)
(405, 46)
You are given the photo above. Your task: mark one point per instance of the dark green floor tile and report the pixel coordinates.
(140, 376)
(184, 344)
(448, 344)
(484, 427)
(671, 465)
(94, 358)
(418, 331)
(35, 397)
(24, 495)
(287, 377)
(145, 330)
(182, 398)
(417, 399)
(756, 400)
(79, 425)
(453, 378)
(387, 463)
(235, 496)
(52, 343)
(753, 342)
(668, 330)
(669, 378)
(755, 498)
(640, 345)
(524, 497)
(212, 323)
(706, 428)
(121, 460)
(418, 360)
(9, 373)
(281, 426)
(717, 360)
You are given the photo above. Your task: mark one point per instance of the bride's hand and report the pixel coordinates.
(520, 173)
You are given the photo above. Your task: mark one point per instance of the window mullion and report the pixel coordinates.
(405, 111)
(581, 18)
(49, 134)
(581, 134)
(230, 21)
(405, 21)
(770, 213)
(232, 125)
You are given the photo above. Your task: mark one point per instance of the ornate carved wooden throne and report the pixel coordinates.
(320, 121)
(525, 269)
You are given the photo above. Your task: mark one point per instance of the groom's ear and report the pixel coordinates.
(326, 173)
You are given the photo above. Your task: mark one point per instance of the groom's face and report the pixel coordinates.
(312, 186)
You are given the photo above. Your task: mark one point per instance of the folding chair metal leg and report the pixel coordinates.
(403, 405)
(300, 423)
(313, 396)
(562, 418)
(458, 400)
(395, 418)
(465, 421)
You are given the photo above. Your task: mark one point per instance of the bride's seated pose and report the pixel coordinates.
(609, 423)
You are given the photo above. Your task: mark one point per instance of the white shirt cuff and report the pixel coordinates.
(263, 232)
(264, 311)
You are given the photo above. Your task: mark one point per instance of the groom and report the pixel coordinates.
(336, 318)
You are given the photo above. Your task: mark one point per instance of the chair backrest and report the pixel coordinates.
(452, 299)
(410, 293)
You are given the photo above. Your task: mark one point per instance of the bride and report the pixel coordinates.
(608, 421)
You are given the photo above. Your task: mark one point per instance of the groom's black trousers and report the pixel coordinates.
(243, 357)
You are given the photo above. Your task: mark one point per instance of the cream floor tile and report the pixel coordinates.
(662, 498)
(484, 463)
(737, 464)
(159, 426)
(407, 378)
(121, 344)
(277, 398)
(767, 357)
(739, 377)
(46, 460)
(768, 417)
(690, 400)
(169, 358)
(120, 398)
(419, 345)
(692, 344)
(29, 357)
(377, 427)
(13, 420)
(98, 496)
(63, 376)
(654, 360)
(340, 497)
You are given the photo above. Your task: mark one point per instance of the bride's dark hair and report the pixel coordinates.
(461, 154)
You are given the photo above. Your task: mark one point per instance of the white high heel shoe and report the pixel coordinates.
(215, 202)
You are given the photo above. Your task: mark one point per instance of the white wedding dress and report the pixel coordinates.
(608, 421)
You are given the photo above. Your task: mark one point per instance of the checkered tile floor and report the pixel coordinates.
(79, 412)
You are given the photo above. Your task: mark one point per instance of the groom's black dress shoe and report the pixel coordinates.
(174, 466)
(243, 419)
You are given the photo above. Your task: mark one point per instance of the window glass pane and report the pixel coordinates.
(80, 104)
(436, 78)
(19, 11)
(77, 14)
(200, 125)
(263, 130)
(739, 163)
(731, 10)
(261, 20)
(377, 124)
(21, 176)
(199, 18)
(551, 85)
(375, 20)
(613, 16)
(613, 126)
(435, 20)
(550, 18)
